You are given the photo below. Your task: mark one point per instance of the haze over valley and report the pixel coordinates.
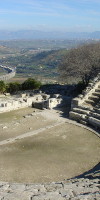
(36, 34)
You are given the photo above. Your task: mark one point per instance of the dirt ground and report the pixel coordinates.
(21, 121)
(54, 154)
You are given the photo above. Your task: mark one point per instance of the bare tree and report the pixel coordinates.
(83, 62)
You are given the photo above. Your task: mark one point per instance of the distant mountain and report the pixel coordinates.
(34, 34)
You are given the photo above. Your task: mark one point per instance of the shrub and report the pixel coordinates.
(2, 87)
(31, 84)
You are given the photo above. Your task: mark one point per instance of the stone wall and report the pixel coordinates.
(11, 73)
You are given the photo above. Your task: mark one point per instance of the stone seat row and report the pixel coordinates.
(86, 110)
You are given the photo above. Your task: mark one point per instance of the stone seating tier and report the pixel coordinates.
(86, 108)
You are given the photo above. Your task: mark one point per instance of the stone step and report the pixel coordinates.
(95, 115)
(97, 110)
(97, 105)
(85, 107)
(96, 94)
(94, 122)
(97, 90)
(94, 98)
(83, 122)
(76, 116)
(91, 102)
(98, 86)
(88, 106)
(81, 111)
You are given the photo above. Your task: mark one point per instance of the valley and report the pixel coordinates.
(37, 58)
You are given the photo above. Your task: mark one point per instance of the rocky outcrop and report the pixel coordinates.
(84, 187)
(86, 107)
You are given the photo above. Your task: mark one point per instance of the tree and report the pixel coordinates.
(13, 87)
(2, 87)
(31, 84)
(83, 62)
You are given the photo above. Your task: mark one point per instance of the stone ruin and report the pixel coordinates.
(39, 101)
(86, 107)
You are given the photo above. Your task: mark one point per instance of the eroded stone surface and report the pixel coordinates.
(74, 189)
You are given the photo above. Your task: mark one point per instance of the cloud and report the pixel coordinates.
(55, 8)
(8, 11)
(46, 6)
(17, 12)
(35, 7)
(93, 12)
(87, 1)
(60, 13)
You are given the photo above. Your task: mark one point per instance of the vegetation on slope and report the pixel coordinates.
(80, 63)
(42, 64)
(83, 62)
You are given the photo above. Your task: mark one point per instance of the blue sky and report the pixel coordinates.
(50, 15)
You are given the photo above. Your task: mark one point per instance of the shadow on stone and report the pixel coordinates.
(92, 173)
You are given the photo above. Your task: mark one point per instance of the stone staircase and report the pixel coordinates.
(85, 109)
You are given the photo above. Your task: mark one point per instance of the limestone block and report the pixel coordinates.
(75, 102)
(39, 105)
(23, 95)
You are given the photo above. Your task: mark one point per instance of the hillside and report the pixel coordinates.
(44, 63)
(37, 64)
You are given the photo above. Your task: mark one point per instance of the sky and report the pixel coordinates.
(50, 15)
